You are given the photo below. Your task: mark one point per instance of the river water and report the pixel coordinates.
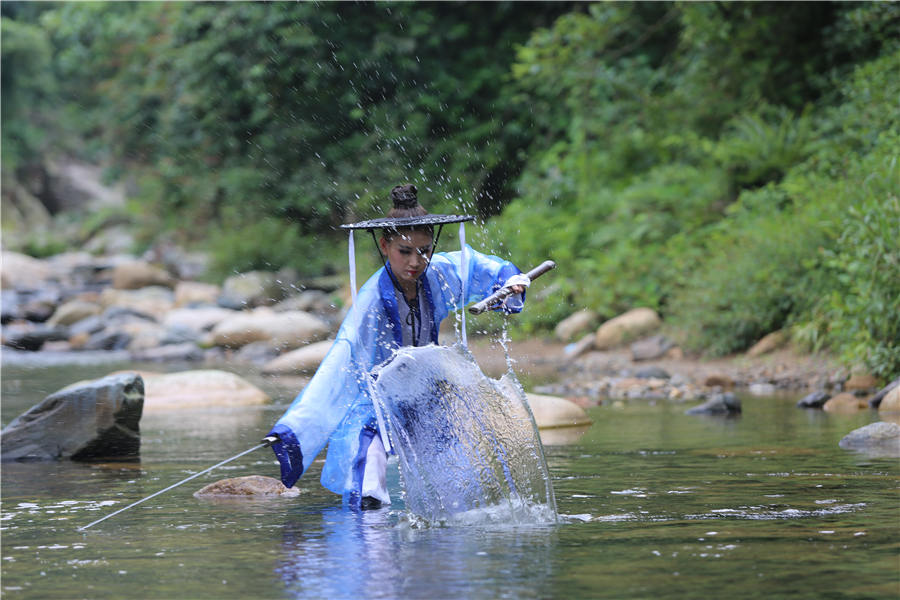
(653, 504)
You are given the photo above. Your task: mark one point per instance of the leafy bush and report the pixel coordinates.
(759, 271)
(269, 244)
(861, 315)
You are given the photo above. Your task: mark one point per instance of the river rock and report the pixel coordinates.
(576, 349)
(652, 372)
(881, 439)
(302, 360)
(815, 399)
(768, 343)
(315, 301)
(138, 274)
(85, 421)
(41, 305)
(575, 325)
(551, 411)
(875, 401)
(186, 352)
(195, 292)
(256, 353)
(201, 318)
(650, 348)
(845, 403)
(718, 380)
(862, 382)
(251, 289)
(627, 326)
(891, 400)
(74, 311)
(22, 271)
(254, 486)
(104, 340)
(154, 300)
(286, 331)
(203, 388)
(719, 404)
(33, 340)
(761, 388)
(10, 310)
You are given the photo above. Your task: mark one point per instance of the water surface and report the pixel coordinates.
(655, 504)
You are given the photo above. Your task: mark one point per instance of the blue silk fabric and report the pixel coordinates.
(335, 406)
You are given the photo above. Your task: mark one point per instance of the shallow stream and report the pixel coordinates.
(653, 504)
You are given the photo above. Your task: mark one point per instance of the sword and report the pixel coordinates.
(265, 443)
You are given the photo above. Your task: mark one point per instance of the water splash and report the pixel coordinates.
(468, 446)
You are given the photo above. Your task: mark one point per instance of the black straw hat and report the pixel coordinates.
(405, 200)
(391, 223)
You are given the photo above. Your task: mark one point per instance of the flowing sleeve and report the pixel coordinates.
(484, 275)
(337, 385)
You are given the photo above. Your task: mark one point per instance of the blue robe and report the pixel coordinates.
(336, 408)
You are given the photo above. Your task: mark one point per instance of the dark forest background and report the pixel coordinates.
(732, 165)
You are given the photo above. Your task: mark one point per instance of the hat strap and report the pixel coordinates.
(352, 257)
(464, 275)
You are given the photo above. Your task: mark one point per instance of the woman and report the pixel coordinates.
(402, 304)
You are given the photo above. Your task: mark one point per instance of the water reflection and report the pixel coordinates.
(380, 554)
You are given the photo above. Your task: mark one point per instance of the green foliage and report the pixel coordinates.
(818, 251)
(687, 160)
(760, 147)
(27, 89)
(732, 165)
(267, 244)
(861, 315)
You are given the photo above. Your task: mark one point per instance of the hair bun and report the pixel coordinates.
(404, 196)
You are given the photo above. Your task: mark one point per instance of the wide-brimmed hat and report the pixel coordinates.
(406, 202)
(406, 222)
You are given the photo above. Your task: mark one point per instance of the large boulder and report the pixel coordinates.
(844, 403)
(552, 411)
(875, 400)
(626, 327)
(560, 421)
(138, 274)
(203, 388)
(575, 324)
(302, 360)
(90, 420)
(250, 486)
(881, 439)
(286, 330)
(891, 401)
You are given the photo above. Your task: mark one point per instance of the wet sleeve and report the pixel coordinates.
(307, 424)
(485, 275)
(339, 383)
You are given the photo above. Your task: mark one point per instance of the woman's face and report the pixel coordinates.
(409, 253)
